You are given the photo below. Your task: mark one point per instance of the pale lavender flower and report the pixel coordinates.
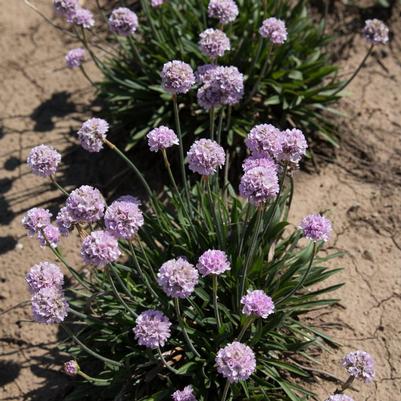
(75, 57)
(294, 146)
(157, 3)
(259, 185)
(152, 329)
(205, 157)
(225, 11)
(64, 220)
(258, 160)
(49, 305)
(36, 219)
(177, 278)
(123, 218)
(316, 227)
(123, 21)
(265, 139)
(202, 73)
(161, 138)
(186, 394)
(92, 134)
(376, 32)
(177, 77)
(222, 86)
(236, 362)
(85, 204)
(71, 368)
(339, 397)
(81, 17)
(43, 160)
(213, 261)
(44, 275)
(65, 7)
(257, 303)
(50, 235)
(274, 30)
(100, 248)
(214, 43)
(360, 365)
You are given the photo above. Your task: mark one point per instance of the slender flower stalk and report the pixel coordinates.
(94, 380)
(346, 385)
(220, 126)
(182, 325)
(85, 74)
(263, 72)
(58, 186)
(212, 122)
(245, 327)
(225, 391)
(166, 365)
(356, 72)
(215, 301)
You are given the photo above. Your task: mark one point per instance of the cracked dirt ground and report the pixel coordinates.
(40, 101)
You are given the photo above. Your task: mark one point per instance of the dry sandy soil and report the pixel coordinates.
(41, 102)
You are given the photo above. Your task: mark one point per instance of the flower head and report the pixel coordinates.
(257, 160)
(92, 134)
(360, 365)
(205, 157)
(75, 57)
(152, 329)
(157, 3)
(43, 160)
(259, 185)
(123, 21)
(225, 11)
(71, 368)
(49, 305)
(316, 227)
(81, 17)
(213, 262)
(274, 30)
(65, 7)
(64, 220)
(294, 145)
(202, 73)
(100, 248)
(186, 394)
(50, 235)
(221, 86)
(177, 77)
(85, 204)
(123, 218)
(257, 303)
(265, 139)
(161, 138)
(339, 397)
(177, 278)
(236, 362)
(376, 32)
(36, 219)
(44, 275)
(214, 42)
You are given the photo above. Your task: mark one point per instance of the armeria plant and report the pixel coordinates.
(276, 48)
(197, 293)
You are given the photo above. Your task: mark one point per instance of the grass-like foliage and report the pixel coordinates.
(292, 85)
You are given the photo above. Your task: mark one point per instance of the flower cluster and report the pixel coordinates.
(65, 7)
(100, 248)
(236, 362)
(316, 227)
(257, 303)
(220, 86)
(213, 261)
(161, 138)
(225, 11)
(81, 17)
(177, 77)
(71, 368)
(75, 57)
(186, 394)
(339, 397)
(43, 160)
(157, 3)
(205, 157)
(376, 32)
(123, 21)
(45, 282)
(359, 364)
(214, 43)
(274, 30)
(92, 134)
(35, 220)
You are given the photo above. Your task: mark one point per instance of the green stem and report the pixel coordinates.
(249, 259)
(345, 385)
(262, 74)
(182, 325)
(256, 58)
(170, 173)
(147, 261)
(58, 186)
(303, 279)
(88, 350)
(211, 118)
(245, 328)
(215, 301)
(216, 218)
(166, 365)
(87, 76)
(220, 126)
(181, 145)
(94, 380)
(342, 87)
(225, 392)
